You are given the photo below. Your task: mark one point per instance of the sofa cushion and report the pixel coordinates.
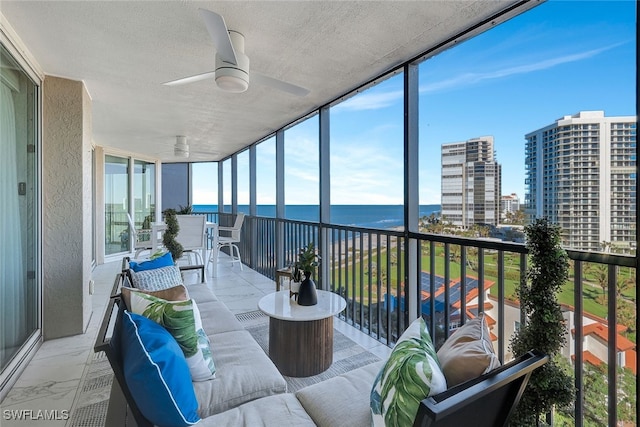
(244, 373)
(468, 352)
(161, 261)
(201, 293)
(156, 373)
(411, 374)
(345, 397)
(272, 411)
(177, 293)
(182, 320)
(157, 279)
(218, 318)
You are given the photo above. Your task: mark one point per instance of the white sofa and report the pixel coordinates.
(248, 389)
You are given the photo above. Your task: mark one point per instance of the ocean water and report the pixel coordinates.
(367, 216)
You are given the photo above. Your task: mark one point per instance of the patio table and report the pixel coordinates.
(156, 242)
(301, 337)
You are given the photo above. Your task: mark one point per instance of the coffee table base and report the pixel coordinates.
(301, 349)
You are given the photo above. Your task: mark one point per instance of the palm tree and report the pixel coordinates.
(600, 274)
(624, 305)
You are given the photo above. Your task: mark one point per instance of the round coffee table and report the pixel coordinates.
(301, 337)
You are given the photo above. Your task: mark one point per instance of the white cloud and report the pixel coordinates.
(467, 79)
(370, 101)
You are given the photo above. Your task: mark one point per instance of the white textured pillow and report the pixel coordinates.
(411, 374)
(468, 352)
(157, 279)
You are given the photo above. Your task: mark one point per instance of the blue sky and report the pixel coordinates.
(560, 58)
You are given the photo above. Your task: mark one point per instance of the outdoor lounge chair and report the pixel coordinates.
(487, 401)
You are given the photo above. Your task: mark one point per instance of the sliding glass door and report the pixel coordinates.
(116, 204)
(124, 193)
(144, 193)
(19, 218)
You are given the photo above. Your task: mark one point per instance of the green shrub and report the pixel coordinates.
(550, 385)
(169, 237)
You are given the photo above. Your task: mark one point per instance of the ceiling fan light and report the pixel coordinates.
(232, 80)
(230, 77)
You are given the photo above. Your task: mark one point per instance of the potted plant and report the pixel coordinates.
(307, 262)
(185, 210)
(551, 385)
(169, 236)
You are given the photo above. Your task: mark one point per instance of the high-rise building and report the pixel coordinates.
(509, 204)
(580, 173)
(470, 182)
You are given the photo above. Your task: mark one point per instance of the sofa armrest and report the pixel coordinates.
(488, 400)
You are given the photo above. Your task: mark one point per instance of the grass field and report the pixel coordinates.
(592, 292)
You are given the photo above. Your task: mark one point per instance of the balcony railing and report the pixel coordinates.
(388, 277)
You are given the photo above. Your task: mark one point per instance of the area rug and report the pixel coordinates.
(347, 355)
(92, 398)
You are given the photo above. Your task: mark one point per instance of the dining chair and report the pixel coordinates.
(141, 238)
(228, 237)
(192, 235)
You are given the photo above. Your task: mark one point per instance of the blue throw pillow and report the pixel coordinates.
(156, 373)
(163, 261)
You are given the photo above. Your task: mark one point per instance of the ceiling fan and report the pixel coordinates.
(232, 65)
(181, 148)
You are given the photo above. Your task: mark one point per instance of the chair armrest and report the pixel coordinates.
(111, 346)
(488, 400)
(102, 341)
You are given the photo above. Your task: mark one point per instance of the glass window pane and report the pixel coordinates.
(266, 178)
(226, 185)
(19, 285)
(552, 113)
(116, 204)
(243, 182)
(205, 186)
(301, 171)
(367, 157)
(144, 193)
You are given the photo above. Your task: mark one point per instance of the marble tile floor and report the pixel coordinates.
(51, 380)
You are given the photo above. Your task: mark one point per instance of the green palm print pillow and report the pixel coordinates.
(411, 374)
(182, 320)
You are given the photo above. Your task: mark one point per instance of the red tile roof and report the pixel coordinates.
(602, 332)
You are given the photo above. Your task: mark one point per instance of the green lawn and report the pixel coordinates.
(591, 294)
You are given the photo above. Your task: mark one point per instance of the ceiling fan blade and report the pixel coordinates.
(278, 84)
(220, 35)
(191, 79)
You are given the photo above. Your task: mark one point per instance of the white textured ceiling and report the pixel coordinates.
(124, 50)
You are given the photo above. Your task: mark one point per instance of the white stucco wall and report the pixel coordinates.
(66, 178)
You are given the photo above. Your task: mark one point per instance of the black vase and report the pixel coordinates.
(307, 294)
